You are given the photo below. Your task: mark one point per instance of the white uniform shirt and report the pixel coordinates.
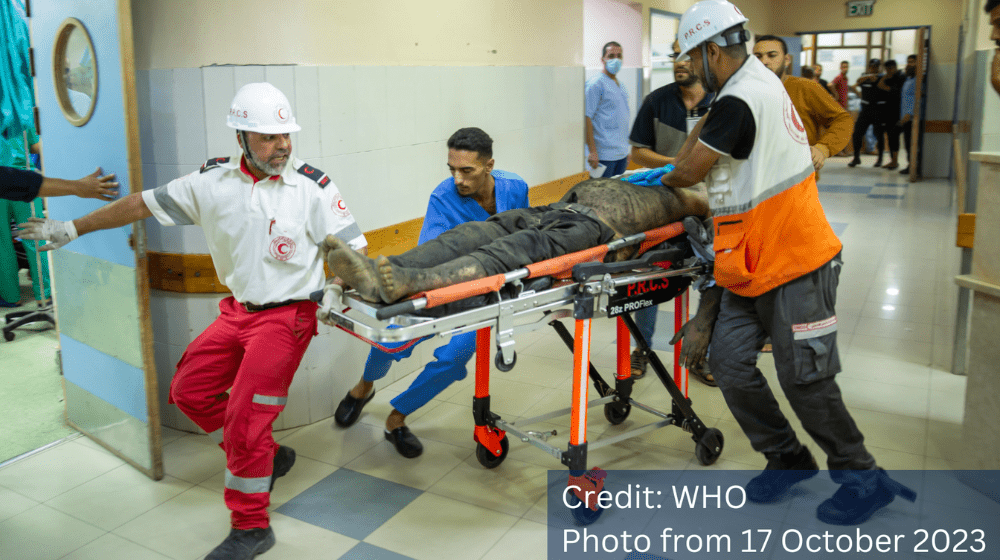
(265, 237)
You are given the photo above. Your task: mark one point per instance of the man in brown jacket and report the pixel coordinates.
(828, 126)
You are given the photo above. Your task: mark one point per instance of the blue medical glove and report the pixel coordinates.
(650, 178)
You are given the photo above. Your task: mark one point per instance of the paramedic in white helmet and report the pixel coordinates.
(777, 262)
(266, 216)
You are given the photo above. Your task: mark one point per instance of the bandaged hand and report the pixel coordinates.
(650, 178)
(55, 232)
(333, 300)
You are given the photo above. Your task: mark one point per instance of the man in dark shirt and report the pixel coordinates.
(891, 87)
(870, 115)
(662, 125)
(24, 186)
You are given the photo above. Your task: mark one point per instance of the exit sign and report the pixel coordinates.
(857, 8)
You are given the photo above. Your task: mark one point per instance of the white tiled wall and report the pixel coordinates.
(379, 132)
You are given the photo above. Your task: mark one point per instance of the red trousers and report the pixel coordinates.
(253, 356)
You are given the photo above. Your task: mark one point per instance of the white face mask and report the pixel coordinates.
(613, 65)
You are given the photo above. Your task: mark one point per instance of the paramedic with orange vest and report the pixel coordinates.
(777, 262)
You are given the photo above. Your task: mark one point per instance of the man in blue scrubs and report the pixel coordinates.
(474, 192)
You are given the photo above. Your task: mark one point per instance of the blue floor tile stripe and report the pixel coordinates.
(888, 196)
(365, 551)
(844, 189)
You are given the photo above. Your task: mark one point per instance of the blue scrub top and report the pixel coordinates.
(447, 208)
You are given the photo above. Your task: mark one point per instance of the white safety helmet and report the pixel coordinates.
(262, 108)
(706, 21)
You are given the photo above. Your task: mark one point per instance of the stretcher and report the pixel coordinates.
(577, 286)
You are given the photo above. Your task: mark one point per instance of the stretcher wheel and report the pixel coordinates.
(710, 446)
(583, 514)
(488, 459)
(498, 360)
(616, 413)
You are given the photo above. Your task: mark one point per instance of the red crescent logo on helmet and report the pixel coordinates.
(281, 114)
(282, 248)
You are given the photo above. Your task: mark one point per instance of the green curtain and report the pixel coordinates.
(16, 95)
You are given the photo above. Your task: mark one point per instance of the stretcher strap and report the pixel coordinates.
(449, 294)
(565, 263)
(382, 347)
(656, 236)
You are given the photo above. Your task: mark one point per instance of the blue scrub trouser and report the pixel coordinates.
(645, 319)
(447, 367)
(614, 167)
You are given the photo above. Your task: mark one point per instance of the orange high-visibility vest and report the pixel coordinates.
(769, 224)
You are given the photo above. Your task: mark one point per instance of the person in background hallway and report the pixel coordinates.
(661, 127)
(808, 74)
(906, 100)
(891, 85)
(817, 110)
(266, 216)
(607, 115)
(818, 74)
(755, 161)
(473, 193)
(993, 9)
(870, 112)
(839, 86)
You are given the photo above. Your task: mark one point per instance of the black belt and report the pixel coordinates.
(253, 307)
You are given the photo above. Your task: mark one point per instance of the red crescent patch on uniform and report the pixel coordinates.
(792, 122)
(281, 114)
(339, 207)
(282, 248)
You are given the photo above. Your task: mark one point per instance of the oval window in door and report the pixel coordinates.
(74, 70)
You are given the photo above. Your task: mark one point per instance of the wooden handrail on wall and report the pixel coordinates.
(195, 273)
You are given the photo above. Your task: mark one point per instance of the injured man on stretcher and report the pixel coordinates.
(592, 213)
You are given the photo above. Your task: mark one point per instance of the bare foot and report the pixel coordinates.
(393, 283)
(357, 270)
(395, 420)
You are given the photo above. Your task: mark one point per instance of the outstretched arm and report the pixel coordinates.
(117, 214)
(697, 332)
(91, 186)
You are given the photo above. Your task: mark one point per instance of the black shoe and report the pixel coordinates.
(854, 162)
(406, 443)
(780, 474)
(905, 171)
(350, 409)
(847, 507)
(243, 544)
(878, 163)
(639, 364)
(284, 458)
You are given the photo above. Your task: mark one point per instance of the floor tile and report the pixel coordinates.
(184, 527)
(891, 348)
(526, 540)
(365, 551)
(305, 541)
(383, 461)
(193, 458)
(325, 441)
(44, 475)
(42, 533)
(12, 503)
(511, 488)
(892, 431)
(889, 328)
(349, 503)
(89, 501)
(424, 530)
(113, 547)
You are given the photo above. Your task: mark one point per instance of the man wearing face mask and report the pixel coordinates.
(662, 125)
(777, 262)
(607, 115)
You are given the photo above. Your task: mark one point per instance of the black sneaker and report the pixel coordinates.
(284, 458)
(781, 473)
(243, 544)
(639, 364)
(849, 507)
(854, 162)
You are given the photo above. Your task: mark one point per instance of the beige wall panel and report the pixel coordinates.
(191, 34)
(944, 16)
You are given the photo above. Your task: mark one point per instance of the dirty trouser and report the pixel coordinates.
(869, 116)
(255, 355)
(512, 239)
(801, 320)
(449, 365)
